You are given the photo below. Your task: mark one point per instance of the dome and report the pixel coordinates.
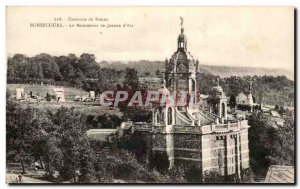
(182, 38)
(217, 89)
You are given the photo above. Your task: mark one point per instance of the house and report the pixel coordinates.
(20, 93)
(244, 99)
(101, 134)
(151, 82)
(59, 94)
(203, 101)
(274, 113)
(280, 174)
(92, 94)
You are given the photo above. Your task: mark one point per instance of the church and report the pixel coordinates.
(188, 135)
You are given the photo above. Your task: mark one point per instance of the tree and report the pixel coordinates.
(158, 73)
(259, 143)
(65, 67)
(26, 137)
(131, 78)
(268, 145)
(50, 67)
(19, 63)
(10, 69)
(17, 135)
(147, 74)
(232, 101)
(78, 78)
(73, 144)
(87, 64)
(34, 70)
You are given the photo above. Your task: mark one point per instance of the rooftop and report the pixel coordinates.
(280, 174)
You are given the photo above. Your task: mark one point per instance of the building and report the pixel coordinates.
(203, 101)
(245, 100)
(280, 174)
(186, 134)
(92, 94)
(20, 93)
(59, 94)
(152, 83)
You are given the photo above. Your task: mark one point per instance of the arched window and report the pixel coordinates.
(170, 82)
(223, 109)
(181, 44)
(157, 118)
(169, 116)
(193, 85)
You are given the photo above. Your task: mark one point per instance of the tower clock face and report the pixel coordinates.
(181, 68)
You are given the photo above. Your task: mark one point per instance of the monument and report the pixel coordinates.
(187, 135)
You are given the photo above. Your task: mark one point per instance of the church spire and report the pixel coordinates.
(250, 86)
(217, 81)
(181, 22)
(182, 41)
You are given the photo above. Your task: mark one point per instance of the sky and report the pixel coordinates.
(226, 36)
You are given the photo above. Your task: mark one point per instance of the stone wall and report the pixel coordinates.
(224, 153)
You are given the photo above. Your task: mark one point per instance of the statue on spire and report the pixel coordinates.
(250, 86)
(217, 80)
(181, 22)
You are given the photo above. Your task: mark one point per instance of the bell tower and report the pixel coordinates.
(218, 102)
(182, 41)
(180, 72)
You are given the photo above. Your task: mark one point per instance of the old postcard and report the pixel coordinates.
(150, 95)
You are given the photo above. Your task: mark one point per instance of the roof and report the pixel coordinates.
(217, 89)
(280, 174)
(58, 89)
(100, 134)
(149, 79)
(182, 37)
(241, 93)
(244, 94)
(204, 96)
(275, 113)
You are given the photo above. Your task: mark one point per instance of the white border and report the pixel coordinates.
(5, 3)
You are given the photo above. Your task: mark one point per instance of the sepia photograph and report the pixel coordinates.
(150, 95)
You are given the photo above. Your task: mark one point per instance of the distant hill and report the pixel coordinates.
(227, 71)
(143, 66)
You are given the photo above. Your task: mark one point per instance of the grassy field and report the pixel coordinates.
(93, 108)
(42, 90)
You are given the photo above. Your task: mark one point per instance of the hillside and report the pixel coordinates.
(42, 90)
(89, 108)
(227, 71)
(143, 66)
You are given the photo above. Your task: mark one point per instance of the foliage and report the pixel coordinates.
(25, 133)
(84, 72)
(59, 139)
(269, 145)
(81, 72)
(110, 121)
(120, 164)
(247, 176)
